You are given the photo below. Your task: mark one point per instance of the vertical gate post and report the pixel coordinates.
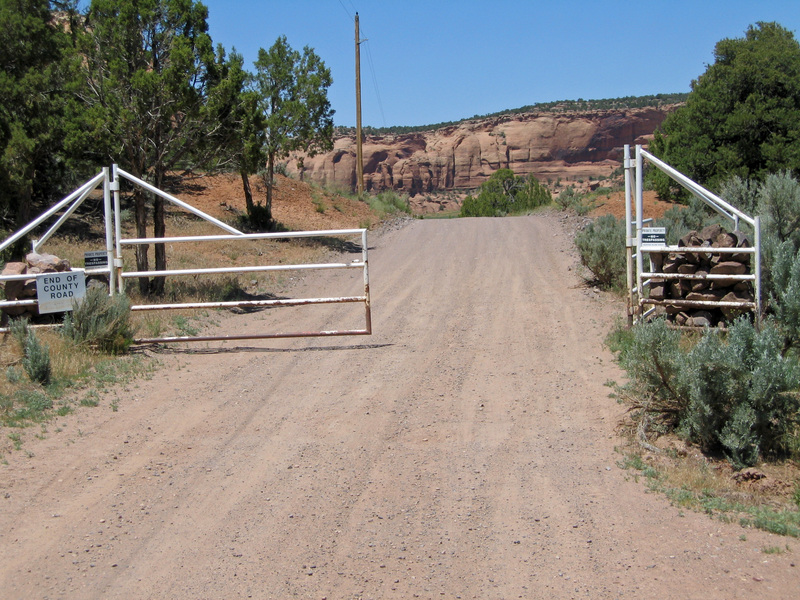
(109, 232)
(639, 221)
(757, 230)
(364, 258)
(117, 264)
(628, 232)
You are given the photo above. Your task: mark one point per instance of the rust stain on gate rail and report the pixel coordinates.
(255, 336)
(258, 303)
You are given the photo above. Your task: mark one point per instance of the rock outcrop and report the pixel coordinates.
(554, 145)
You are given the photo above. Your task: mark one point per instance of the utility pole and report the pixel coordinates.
(359, 152)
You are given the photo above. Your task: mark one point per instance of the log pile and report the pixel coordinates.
(697, 289)
(25, 289)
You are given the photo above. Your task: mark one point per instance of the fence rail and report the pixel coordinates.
(117, 273)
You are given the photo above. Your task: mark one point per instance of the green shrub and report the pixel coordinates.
(258, 218)
(601, 245)
(782, 289)
(389, 202)
(743, 396)
(651, 356)
(101, 321)
(779, 205)
(13, 375)
(736, 394)
(692, 217)
(19, 331)
(506, 194)
(568, 198)
(742, 193)
(36, 359)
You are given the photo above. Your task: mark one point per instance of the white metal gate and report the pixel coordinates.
(639, 279)
(116, 271)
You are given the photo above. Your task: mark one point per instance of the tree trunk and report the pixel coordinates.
(248, 193)
(141, 231)
(270, 181)
(24, 206)
(159, 230)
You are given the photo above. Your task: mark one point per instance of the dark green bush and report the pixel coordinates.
(506, 194)
(601, 245)
(101, 321)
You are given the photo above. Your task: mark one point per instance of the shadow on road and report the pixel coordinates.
(162, 349)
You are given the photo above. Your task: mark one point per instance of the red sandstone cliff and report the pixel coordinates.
(549, 145)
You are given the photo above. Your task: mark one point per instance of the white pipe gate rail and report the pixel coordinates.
(116, 273)
(638, 279)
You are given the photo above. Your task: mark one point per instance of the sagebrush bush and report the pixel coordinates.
(742, 193)
(736, 394)
(36, 359)
(743, 393)
(650, 354)
(779, 206)
(601, 245)
(692, 217)
(19, 330)
(101, 321)
(782, 289)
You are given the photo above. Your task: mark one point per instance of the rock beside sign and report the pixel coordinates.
(704, 290)
(25, 289)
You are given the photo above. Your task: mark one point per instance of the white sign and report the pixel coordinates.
(56, 291)
(654, 237)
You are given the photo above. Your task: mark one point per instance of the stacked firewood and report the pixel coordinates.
(704, 290)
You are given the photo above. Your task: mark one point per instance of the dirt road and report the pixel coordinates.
(465, 450)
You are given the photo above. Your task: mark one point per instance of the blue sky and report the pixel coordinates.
(428, 61)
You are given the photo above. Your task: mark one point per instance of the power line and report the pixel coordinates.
(369, 59)
(375, 84)
(344, 8)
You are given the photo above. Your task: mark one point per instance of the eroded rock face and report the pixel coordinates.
(548, 145)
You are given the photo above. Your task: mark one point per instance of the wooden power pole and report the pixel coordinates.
(359, 152)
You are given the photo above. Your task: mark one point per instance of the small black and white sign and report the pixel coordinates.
(92, 260)
(654, 237)
(56, 291)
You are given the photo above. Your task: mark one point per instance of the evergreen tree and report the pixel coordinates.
(36, 60)
(154, 97)
(742, 116)
(293, 99)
